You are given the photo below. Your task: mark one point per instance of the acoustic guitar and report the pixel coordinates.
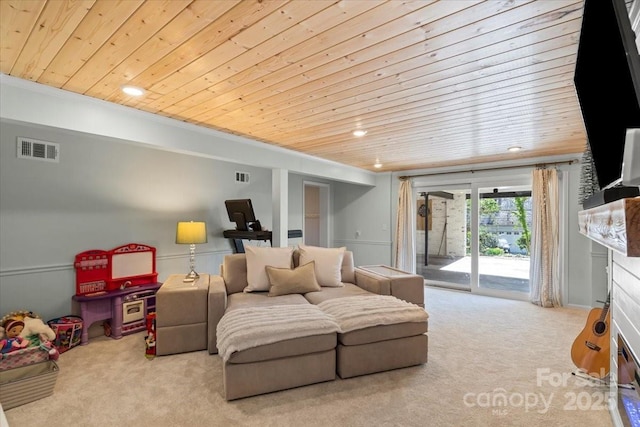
(590, 350)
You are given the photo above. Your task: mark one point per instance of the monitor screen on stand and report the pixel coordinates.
(241, 212)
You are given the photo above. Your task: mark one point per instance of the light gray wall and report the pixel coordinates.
(586, 259)
(363, 221)
(105, 193)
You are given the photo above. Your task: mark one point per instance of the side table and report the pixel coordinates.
(182, 315)
(108, 305)
(405, 286)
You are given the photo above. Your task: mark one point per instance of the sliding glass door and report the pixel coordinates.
(475, 237)
(504, 238)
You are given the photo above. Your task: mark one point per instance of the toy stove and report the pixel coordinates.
(135, 308)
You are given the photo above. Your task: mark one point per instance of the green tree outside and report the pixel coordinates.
(524, 242)
(488, 208)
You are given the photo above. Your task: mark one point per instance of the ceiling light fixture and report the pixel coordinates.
(133, 90)
(377, 164)
(359, 132)
(514, 149)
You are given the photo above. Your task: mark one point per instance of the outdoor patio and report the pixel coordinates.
(509, 273)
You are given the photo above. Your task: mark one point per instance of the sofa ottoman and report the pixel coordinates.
(181, 315)
(380, 347)
(306, 358)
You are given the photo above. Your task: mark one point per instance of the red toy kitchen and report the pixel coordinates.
(118, 286)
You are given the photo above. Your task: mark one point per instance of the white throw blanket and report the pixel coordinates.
(250, 327)
(359, 312)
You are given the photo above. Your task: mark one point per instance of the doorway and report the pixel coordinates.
(315, 214)
(475, 237)
(441, 236)
(504, 239)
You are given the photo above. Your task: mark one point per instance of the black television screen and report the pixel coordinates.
(607, 82)
(240, 211)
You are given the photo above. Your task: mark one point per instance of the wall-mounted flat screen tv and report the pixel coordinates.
(607, 82)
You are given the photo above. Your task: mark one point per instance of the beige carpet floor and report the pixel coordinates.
(492, 362)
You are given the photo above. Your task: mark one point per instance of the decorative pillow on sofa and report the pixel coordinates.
(258, 258)
(328, 263)
(286, 281)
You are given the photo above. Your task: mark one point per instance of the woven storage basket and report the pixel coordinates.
(27, 383)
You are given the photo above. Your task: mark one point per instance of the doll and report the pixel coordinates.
(8, 345)
(13, 327)
(13, 340)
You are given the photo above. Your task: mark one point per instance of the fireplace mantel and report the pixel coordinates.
(615, 225)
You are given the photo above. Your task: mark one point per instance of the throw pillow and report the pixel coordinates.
(258, 258)
(285, 281)
(328, 262)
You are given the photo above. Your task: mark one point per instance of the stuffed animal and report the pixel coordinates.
(35, 326)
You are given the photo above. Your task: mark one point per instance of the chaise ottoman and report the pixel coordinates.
(296, 355)
(397, 342)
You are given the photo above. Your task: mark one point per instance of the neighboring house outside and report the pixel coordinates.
(505, 225)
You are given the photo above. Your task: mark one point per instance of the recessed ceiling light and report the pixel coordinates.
(514, 149)
(377, 164)
(133, 90)
(359, 132)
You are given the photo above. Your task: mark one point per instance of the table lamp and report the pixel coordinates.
(190, 233)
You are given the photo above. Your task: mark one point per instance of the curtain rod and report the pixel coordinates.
(568, 162)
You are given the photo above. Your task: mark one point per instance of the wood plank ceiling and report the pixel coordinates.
(434, 83)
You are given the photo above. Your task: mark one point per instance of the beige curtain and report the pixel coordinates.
(544, 271)
(405, 243)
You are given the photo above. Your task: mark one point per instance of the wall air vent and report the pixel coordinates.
(242, 177)
(29, 148)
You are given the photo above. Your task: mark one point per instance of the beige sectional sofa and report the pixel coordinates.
(333, 343)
